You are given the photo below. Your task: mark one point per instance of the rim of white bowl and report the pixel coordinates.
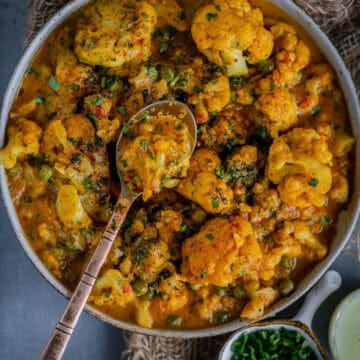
(335, 317)
(345, 223)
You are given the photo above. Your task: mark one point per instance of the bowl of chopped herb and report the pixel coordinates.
(284, 339)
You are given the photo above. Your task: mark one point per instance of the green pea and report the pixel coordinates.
(221, 291)
(239, 293)
(45, 172)
(287, 262)
(140, 287)
(195, 286)
(174, 320)
(286, 287)
(149, 295)
(167, 73)
(222, 317)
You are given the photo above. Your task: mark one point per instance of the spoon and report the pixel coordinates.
(61, 335)
(301, 323)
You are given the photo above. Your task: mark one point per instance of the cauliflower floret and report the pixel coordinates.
(24, 138)
(212, 99)
(116, 33)
(260, 299)
(300, 162)
(169, 13)
(175, 294)
(69, 208)
(150, 254)
(292, 56)
(222, 31)
(222, 251)
(231, 128)
(298, 232)
(279, 109)
(203, 186)
(98, 108)
(322, 79)
(112, 288)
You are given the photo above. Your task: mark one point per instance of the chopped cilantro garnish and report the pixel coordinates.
(40, 99)
(122, 110)
(210, 236)
(315, 110)
(53, 83)
(216, 202)
(210, 16)
(313, 182)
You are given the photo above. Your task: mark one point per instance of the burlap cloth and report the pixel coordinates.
(340, 20)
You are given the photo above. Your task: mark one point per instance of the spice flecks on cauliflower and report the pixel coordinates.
(278, 108)
(203, 186)
(116, 33)
(211, 99)
(300, 163)
(221, 252)
(23, 140)
(223, 30)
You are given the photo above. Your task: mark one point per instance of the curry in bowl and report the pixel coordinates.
(251, 213)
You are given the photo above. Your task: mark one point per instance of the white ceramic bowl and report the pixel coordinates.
(344, 329)
(344, 225)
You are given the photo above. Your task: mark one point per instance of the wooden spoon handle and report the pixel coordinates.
(60, 337)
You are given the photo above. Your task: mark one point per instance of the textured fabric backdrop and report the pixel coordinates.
(340, 20)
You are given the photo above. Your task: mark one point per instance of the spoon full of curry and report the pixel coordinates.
(153, 150)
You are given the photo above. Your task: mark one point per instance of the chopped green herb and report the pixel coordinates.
(216, 202)
(183, 228)
(222, 317)
(113, 224)
(198, 89)
(53, 83)
(163, 47)
(87, 183)
(272, 86)
(265, 66)
(325, 220)
(181, 15)
(210, 16)
(220, 173)
(178, 127)
(238, 81)
(126, 128)
(73, 87)
(233, 96)
(40, 99)
(144, 144)
(272, 344)
(315, 110)
(313, 182)
(217, 7)
(122, 110)
(97, 101)
(174, 320)
(210, 236)
(203, 274)
(76, 158)
(124, 163)
(94, 120)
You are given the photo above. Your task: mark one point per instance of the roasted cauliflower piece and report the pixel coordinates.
(298, 232)
(222, 251)
(98, 109)
(223, 30)
(300, 163)
(112, 288)
(278, 108)
(211, 99)
(23, 140)
(69, 208)
(157, 155)
(170, 13)
(202, 185)
(116, 33)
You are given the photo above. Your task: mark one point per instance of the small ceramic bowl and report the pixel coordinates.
(344, 330)
(301, 323)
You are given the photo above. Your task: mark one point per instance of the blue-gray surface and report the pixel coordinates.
(30, 307)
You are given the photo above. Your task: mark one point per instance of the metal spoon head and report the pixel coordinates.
(165, 107)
